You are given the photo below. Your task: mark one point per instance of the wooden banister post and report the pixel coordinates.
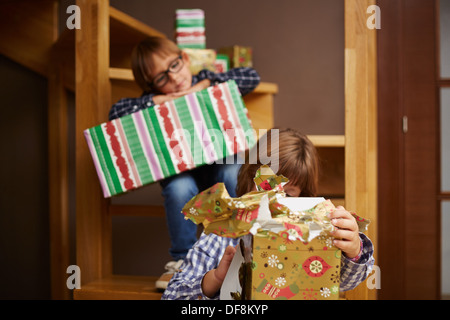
(93, 100)
(361, 122)
(58, 159)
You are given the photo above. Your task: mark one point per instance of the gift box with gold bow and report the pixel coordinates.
(286, 250)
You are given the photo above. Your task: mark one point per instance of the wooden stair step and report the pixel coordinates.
(119, 287)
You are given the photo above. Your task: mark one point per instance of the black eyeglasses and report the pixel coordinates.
(161, 79)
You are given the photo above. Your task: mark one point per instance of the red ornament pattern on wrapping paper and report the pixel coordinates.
(168, 127)
(227, 125)
(289, 226)
(315, 266)
(120, 161)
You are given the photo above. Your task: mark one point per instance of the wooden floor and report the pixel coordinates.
(119, 288)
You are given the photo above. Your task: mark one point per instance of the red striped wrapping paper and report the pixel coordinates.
(164, 140)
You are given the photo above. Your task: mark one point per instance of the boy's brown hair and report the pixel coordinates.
(142, 62)
(297, 160)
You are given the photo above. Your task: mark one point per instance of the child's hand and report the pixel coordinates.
(213, 279)
(203, 84)
(161, 98)
(346, 231)
(225, 263)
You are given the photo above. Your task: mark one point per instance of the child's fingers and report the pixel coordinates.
(343, 223)
(344, 245)
(340, 212)
(346, 231)
(224, 263)
(344, 235)
(349, 248)
(229, 254)
(343, 219)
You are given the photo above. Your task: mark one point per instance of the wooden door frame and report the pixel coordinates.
(409, 244)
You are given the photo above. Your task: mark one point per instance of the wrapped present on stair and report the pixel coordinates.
(161, 141)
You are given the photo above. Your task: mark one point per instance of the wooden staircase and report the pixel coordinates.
(94, 63)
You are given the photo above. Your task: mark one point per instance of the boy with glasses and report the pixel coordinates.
(162, 71)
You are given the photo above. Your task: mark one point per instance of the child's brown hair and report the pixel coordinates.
(141, 61)
(296, 158)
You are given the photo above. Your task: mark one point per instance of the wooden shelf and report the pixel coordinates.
(119, 287)
(121, 74)
(266, 87)
(332, 141)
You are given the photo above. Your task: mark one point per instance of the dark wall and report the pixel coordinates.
(24, 225)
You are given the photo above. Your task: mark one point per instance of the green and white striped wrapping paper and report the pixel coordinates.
(164, 140)
(190, 28)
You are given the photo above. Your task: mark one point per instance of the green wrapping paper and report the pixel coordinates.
(164, 140)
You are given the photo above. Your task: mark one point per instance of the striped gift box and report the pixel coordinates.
(190, 28)
(159, 142)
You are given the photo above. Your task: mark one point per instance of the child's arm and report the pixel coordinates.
(213, 279)
(357, 249)
(203, 84)
(247, 79)
(353, 273)
(204, 256)
(127, 106)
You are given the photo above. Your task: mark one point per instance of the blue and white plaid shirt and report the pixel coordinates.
(246, 79)
(206, 254)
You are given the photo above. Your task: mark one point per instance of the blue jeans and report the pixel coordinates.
(179, 189)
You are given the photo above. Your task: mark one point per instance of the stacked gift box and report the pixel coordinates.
(201, 59)
(190, 36)
(222, 63)
(239, 56)
(190, 28)
(155, 143)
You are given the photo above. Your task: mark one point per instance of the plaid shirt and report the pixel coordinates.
(246, 79)
(209, 249)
